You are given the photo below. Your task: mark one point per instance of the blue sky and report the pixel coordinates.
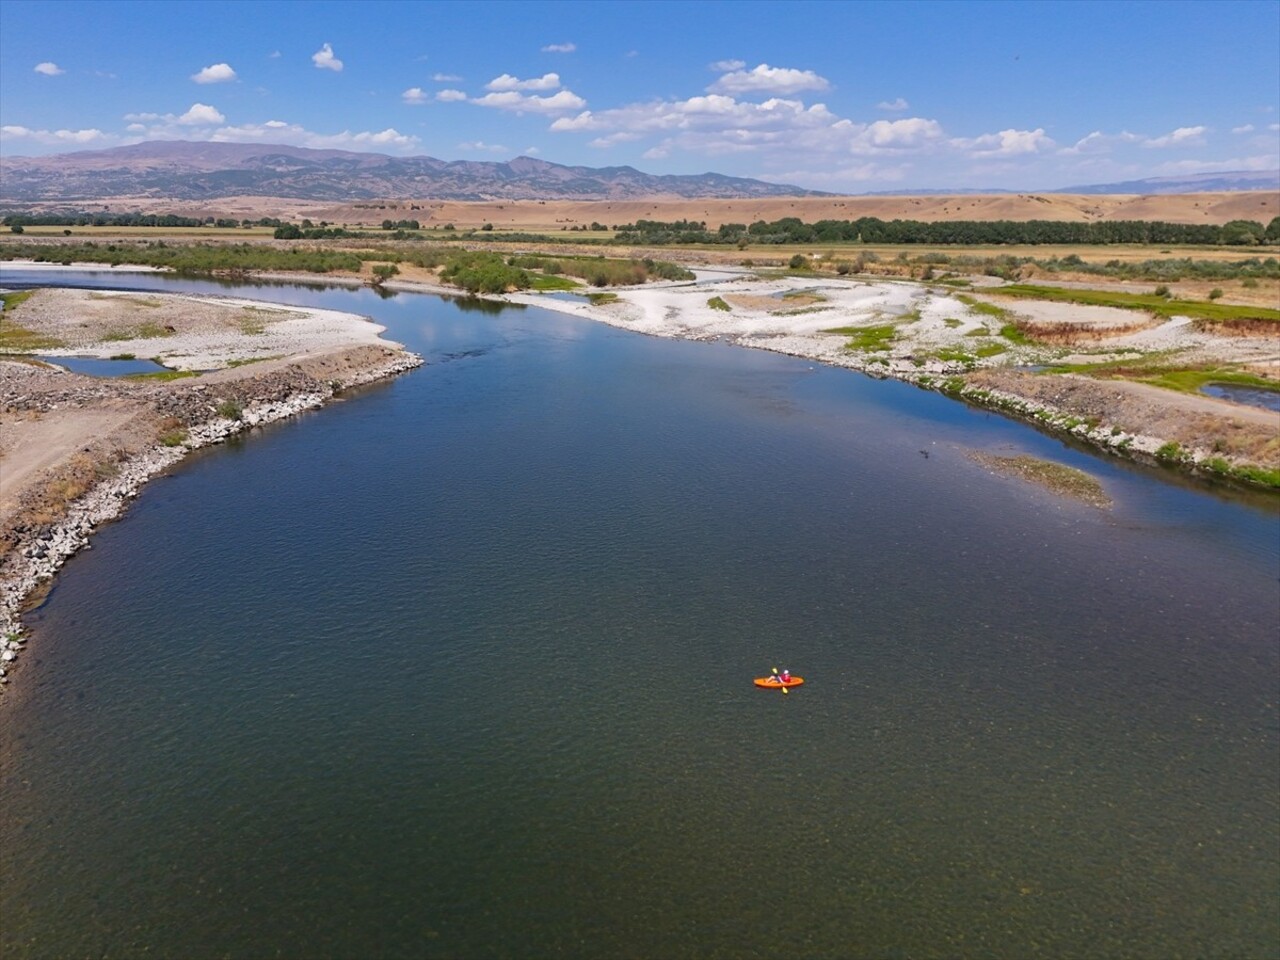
(840, 96)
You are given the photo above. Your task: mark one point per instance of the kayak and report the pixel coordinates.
(775, 682)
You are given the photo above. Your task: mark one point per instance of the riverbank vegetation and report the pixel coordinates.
(1158, 303)
(792, 230)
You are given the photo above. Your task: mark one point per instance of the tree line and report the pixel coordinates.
(792, 230)
(105, 219)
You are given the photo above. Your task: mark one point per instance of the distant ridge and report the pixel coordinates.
(182, 170)
(1228, 181)
(1192, 183)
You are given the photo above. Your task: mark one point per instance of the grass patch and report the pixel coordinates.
(952, 322)
(601, 299)
(1161, 306)
(547, 283)
(144, 331)
(799, 311)
(231, 410)
(1182, 379)
(717, 303)
(248, 360)
(136, 301)
(1014, 334)
(11, 300)
(1055, 477)
(161, 375)
(868, 339)
(991, 350)
(16, 339)
(173, 438)
(986, 309)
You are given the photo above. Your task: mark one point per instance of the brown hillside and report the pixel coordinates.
(552, 215)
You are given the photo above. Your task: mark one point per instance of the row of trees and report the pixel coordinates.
(102, 219)
(792, 230)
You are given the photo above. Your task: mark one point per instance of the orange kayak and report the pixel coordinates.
(775, 682)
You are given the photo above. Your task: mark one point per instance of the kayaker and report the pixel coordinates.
(786, 676)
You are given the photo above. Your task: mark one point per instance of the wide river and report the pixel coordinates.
(461, 667)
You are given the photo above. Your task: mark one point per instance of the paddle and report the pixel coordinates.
(775, 673)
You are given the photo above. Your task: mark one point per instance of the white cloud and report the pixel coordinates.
(861, 173)
(560, 48)
(563, 102)
(445, 78)
(1274, 127)
(49, 69)
(1099, 142)
(894, 105)
(277, 131)
(913, 133)
(1247, 128)
(201, 114)
(479, 146)
(274, 55)
(1182, 137)
(216, 73)
(55, 137)
(414, 96)
(767, 79)
(1176, 167)
(448, 96)
(1006, 143)
(548, 81)
(531, 151)
(325, 60)
(621, 136)
(727, 66)
(168, 126)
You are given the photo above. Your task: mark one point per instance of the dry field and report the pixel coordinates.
(552, 215)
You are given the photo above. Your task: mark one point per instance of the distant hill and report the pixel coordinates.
(181, 170)
(1193, 183)
(1226, 182)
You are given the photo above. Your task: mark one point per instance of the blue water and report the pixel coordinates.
(1252, 396)
(97, 367)
(461, 667)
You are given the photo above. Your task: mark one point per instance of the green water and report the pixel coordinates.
(461, 667)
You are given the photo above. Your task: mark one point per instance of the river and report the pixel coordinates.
(460, 666)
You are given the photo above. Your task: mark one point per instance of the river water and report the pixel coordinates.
(461, 667)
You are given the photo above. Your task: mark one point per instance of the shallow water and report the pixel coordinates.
(1252, 396)
(99, 367)
(462, 667)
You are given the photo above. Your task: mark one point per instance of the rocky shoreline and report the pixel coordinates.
(35, 551)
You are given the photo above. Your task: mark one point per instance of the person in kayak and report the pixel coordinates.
(785, 678)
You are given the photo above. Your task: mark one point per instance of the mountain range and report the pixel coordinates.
(181, 170)
(202, 171)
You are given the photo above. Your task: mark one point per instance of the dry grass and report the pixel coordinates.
(1059, 479)
(1068, 334)
(552, 215)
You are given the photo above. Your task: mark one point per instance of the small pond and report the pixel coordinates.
(98, 367)
(1253, 396)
